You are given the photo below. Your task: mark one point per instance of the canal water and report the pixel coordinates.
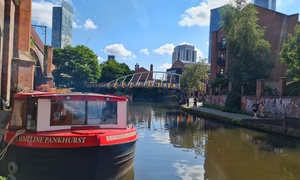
(174, 145)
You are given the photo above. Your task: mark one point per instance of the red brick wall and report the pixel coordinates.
(23, 77)
(216, 52)
(23, 26)
(277, 26)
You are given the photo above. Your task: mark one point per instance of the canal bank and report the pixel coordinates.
(286, 126)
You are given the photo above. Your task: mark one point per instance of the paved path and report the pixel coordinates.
(219, 112)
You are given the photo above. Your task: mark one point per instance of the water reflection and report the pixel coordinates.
(175, 145)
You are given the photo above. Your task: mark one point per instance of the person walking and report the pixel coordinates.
(187, 101)
(255, 108)
(261, 109)
(195, 102)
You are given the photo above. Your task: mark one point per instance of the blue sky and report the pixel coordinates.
(140, 31)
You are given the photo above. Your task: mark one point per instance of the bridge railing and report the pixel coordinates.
(143, 79)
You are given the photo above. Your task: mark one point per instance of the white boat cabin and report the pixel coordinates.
(58, 111)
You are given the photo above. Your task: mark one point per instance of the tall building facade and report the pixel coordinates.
(184, 53)
(62, 21)
(277, 27)
(269, 4)
(215, 18)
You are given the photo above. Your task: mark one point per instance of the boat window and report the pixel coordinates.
(18, 113)
(109, 113)
(67, 112)
(95, 111)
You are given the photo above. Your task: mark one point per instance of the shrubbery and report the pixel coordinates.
(233, 101)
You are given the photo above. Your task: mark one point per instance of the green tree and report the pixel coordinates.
(290, 54)
(248, 51)
(75, 66)
(193, 75)
(112, 70)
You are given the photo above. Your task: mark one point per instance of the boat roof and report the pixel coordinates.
(74, 95)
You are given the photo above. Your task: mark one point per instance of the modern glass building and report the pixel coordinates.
(184, 53)
(269, 4)
(215, 20)
(62, 21)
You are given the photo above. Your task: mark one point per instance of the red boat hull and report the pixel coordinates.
(93, 163)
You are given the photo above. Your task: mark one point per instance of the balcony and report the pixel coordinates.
(219, 75)
(221, 62)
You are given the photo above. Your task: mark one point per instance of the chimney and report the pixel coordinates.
(136, 66)
(151, 70)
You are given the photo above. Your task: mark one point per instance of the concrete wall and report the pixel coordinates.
(216, 100)
(275, 106)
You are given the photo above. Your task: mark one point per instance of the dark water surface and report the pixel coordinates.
(173, 145)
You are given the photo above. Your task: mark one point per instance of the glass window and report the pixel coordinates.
(95, 111)
(223, 42)
(223, 55)
(67, 112)
(64, 112)
(109, 113)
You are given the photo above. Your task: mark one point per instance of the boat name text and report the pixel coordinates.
(120, 136)
(38, 139)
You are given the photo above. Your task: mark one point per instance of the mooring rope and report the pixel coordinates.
(19, 132)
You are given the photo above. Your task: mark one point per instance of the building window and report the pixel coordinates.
(223, 42)
(222, 71)
(223, 55)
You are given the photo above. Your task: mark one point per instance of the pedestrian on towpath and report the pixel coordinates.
(195, 102)
(187, 101)
(261, 109)
(255, 109)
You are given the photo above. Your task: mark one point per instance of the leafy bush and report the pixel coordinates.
(293, 88)
(233, 101)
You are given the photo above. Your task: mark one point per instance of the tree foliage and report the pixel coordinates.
(112, 70)
(193, 75)
(75, 66)
(248, 51)
(290, 54)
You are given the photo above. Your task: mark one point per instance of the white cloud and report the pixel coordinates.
(100, 60)
(119, 50)
(167, 48)
(200, 15)
(145, 51)
(199, 53)
(75, 25)
(165, 66)
(42, 12)
(89, 24)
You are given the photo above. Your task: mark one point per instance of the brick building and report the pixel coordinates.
(277, 27)
(20, 49)
(143, 74)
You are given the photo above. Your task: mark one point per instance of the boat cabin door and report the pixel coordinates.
(31, 114)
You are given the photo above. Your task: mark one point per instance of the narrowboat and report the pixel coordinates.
(67, 135)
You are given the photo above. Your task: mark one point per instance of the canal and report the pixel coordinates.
(174, 145)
